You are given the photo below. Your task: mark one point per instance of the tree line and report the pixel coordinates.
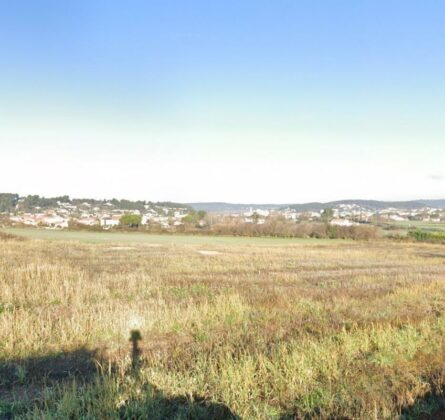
(11, 201)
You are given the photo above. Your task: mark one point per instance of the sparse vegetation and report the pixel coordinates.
(5, 236)
(8, 202)
(277, 227)
(427, 236)
(194, 218)
(315, 329)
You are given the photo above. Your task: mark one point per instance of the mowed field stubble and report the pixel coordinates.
(223, 329)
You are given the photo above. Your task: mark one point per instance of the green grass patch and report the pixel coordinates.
(149, 238)
(427, 236)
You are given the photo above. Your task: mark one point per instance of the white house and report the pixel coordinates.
(146, 218)
(341, 222)
(56, 222)
(179, 215)
(397, 218)
(87, 221)
(109, 221)
(150, 215)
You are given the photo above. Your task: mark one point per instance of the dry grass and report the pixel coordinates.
(353, 330)
(4, 236)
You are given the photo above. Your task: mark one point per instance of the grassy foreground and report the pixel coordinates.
(316, 330)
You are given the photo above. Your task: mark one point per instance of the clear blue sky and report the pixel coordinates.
(247, 100)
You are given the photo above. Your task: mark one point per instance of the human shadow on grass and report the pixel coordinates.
(429, 407)
(23, 380)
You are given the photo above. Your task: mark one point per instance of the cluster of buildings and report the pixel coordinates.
(257, 216)
(106, 216)
(350, 214)
(346, 215)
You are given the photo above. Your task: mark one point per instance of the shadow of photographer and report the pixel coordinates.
(23, 380)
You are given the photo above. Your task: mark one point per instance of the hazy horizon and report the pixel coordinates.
(239, 102)
(221, 202)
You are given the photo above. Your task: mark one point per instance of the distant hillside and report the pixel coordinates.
(233, 207)
(316, 206)
(371, 204)
(435, 203)
(10, 202)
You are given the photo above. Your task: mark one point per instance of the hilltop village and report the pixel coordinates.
(92, 213)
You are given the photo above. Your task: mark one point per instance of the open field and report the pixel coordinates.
(418, 225)
(231, 329)
(421, 225)
(149, 238)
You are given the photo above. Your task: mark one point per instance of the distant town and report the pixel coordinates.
(63, 212)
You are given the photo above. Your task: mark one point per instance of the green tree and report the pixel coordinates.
(255, 217)
(194, 217)
(131, 220)
(8, 202)
(327, 215)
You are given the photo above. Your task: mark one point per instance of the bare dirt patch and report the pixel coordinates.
(207, 252)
